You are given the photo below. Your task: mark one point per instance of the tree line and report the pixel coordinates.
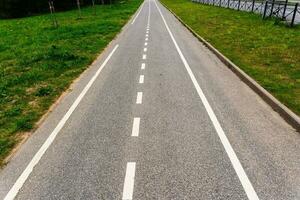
(23, 8)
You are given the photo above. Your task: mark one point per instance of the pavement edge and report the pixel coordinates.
(288, 115)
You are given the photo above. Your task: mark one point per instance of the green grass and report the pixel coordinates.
(269, 52)
(39, 62)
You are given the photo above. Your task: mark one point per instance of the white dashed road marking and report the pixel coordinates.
(139, 98)
(136, 127)
(129, 181)
(141, 79)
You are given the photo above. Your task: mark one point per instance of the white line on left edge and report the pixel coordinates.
(135, 127)
(25, 174)
(237, 166)
(137, 13)
(129, 181)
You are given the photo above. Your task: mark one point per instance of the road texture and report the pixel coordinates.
(157, 116)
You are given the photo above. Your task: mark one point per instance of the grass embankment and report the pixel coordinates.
(38, 62)
(267, 52)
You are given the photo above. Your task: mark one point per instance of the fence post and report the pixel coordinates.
(294, 14)
(228, 3)
(239, 4)
(284, 9)
(253, 3)
(272, 7)
(265, 10)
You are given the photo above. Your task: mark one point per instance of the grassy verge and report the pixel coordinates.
(268, 52)
(38, 62)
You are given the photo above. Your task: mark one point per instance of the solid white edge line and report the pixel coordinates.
(141, 79)
(143, 66)
(251, 194)
(135, 127)
(137, 14)
(139, 98)
(25, 174)
(129, 181)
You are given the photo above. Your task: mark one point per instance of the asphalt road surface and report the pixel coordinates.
(157, 116)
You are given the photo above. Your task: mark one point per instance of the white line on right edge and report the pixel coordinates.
(135, 127)
(228, 148)
(25, 174)
(129, 181)
(137, 14)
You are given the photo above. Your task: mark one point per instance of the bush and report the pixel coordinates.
(23, 8)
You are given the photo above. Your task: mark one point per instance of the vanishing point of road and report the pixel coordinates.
(157, 116)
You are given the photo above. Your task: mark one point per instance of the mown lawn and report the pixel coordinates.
(39, 62)
(267, 51)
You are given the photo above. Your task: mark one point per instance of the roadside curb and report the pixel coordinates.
(289, 116)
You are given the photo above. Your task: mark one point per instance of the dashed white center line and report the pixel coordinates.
(136, 127)
(146, 43)
(144, 56)
(146, 39)
(147, 35)
(143, 66)
(129, 181)
(145, 49)
(139, 98)
(141, 79)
